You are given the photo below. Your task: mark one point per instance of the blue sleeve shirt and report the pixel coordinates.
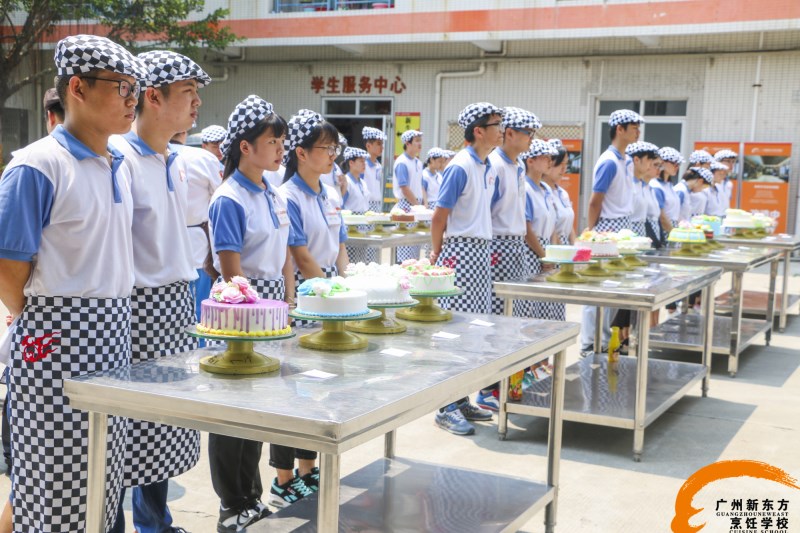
(528, 208)
(401, 173)
(297, 234)
(604, 176)
(660, 198)
(26, 198)
(228, 220)
(454, 180)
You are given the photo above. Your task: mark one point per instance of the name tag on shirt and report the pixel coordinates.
(283, 218)
(333, 218)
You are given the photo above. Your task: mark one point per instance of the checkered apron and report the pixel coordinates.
(160, 316)
(613, 224)
(362, 254)
(470, 257)
(508, 263)
(638, 227)
(376, 205)
(536, 308)
(298, 279)
(407, 252)
(57, 338)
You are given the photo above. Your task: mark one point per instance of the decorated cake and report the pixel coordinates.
(398, 215)
(235, 309)
(426, 277)
(330, 298)
(384, 284)
(685, 232)
(600, 244)
(764, 222)
(352, 220)
(421, 213)
(628, 241)
(559, 252)
(737, 218)
(373, 216)
(715, 223)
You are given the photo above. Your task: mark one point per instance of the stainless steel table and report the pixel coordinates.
(751, 303)
(391, 241)
(632, 393)
(371, 394)
(732, 335)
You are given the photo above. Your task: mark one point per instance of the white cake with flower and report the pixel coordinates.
(234, 309)
(351, 219)
(332, 297)
(628, 241)
(374, 216)
(602, 244)
(429, 278)
(421, 213)
(384, 284)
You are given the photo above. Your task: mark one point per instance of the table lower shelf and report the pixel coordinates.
(684, 332)
(405, 495)
(754, 303)
(603, 396)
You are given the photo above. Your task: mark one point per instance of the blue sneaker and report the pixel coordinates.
(487, 400)
(452, 420)
(311, 480)
(282, 496)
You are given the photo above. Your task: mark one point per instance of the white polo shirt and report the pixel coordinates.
(566, 216)
(431, 183)
(356, 199)
(251, 221)
(539, 209)
(331, 179)
(373, 175)
(668, 199)
(407, 172)
(162, 253)
(639, 194)
(715, 205)
(653, 209)
(202, 170)
(316, 223)
(699, 203)
(275, 177)
(467, 189)
(611, 178)
(508, 203)
(684, 196)
(69, 212)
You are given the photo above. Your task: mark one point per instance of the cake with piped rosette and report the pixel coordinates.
(429, 278)
(384, 284)
(234, 309)
(330, 298)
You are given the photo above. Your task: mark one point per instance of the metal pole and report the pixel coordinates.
(389, 440)
(502, 412)
(598, 330)
(736, 321)
(328, 504)
(642, 328)
(787, 258)
(96, 488)
(554, 437)
(708, 333)
(773, 276)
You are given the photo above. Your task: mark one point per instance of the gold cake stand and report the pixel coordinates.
(428, 309)
(403, 226)
(714, 245)
(239, 358)
(688, 249)
(566, 274)
(381, 325)
(333, 337)
(377, 227)
(597, 270)
(618, 264)
(630, 257)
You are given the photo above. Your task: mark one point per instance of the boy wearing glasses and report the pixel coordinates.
(373, 173)
(463, 211)
(161, 300)
(407, 183)
(66, 275)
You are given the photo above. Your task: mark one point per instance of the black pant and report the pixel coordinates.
(282, 457)
(234, 470)
(6, 426)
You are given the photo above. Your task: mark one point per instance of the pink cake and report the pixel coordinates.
(235, 309)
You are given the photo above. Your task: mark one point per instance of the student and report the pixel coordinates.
(717, 197)
(610, 204)
(668, 200)
(336, 178)
(699, 196)
(461, 233)
(432, 176)
(727, 158)
(700, 158)
(161, 301)
(690, 191)
(356, 199)
(317, 247)
(407, 183)
(53, 110)
(374, 140)
(210, 139)
(644, 158)
(249, 232)
(69, 195)
(565, 220)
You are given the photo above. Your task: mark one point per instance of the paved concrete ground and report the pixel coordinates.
(752, 416)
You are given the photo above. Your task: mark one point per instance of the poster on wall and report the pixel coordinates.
(402, 123)
(714, 147)
(571, 182)
(765, 180)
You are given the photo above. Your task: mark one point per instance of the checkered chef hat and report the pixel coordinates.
(620, 117)
(354, 153)
(369, 134)
(213, 134)
(165, 67)
(78, 54)
(699, 157)
(436, 153)
(473, 112)
(640, 147)
(538, 147)
(514, 117)
(449, 154)
(704, 173)
(726, 154)
(556, 143)
(409, 135)
(300, 126)
(670, 155)
(245, 116)
(716, 165)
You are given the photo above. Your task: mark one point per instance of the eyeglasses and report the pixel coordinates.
(334, 150)
(498, 124)
(529, 133)
(125, 88)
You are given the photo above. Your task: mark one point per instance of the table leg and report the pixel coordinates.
(389, 440)
(773, 276)
(393, 255)
(508, 306)
(708, 333)
(736, 321)
(328, 504)
(502, 412)
(641, 327)
(554, 436)
(96, 493)
(787, 263)
(598, 330)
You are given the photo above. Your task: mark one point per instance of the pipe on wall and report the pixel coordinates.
(437, 111)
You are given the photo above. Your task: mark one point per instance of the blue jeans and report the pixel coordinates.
(200, 288)
(150, 511)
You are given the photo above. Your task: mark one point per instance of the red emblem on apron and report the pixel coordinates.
(37, 348)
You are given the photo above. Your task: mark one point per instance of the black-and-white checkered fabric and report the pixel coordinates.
(329, 272)
(638, 227)
(704, 173)
(435, 153)
(725, 154)
(354, 153)
(538, 147)
(470, 257)
(369, 133)
(213, 134)
(473, 112)
(79, 54)
(508, 262)
(245, 116)
(555, 143)
(667, 153)
(514, 117)
(539, 308)
(641, 147)
(362, 254)
(376, 205)
(406, 252)
(716, 165)
(620, 117)
(613, 224)
(409, 135)
(165, 67)
(160, 316)
(300, 126)
(700, 157)
(55, 339)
